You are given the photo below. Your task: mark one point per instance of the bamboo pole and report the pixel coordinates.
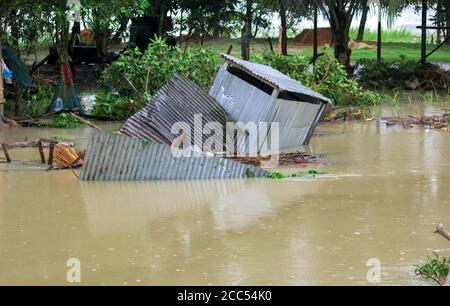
(84, 121)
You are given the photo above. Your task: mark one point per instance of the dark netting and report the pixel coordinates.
(21, 74)
(65, 98)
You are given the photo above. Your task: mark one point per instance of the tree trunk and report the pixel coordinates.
(448, 26)
(63, 36)
(101, 37)
(362, 24)
(342, 51)
(181, 26)
(283, 32)
(247, 31)
(18, 107)
(2, 92)
(101, 43)
(162, 30)
(216, 26)
(340, 21)
(15, 32)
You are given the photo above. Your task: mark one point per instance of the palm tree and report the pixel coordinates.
(340, 15)
(247, 30)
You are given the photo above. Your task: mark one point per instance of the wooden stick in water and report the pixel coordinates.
(41, 151)
(443, 232)
(84, 121)
(50, 154)
(5, 150)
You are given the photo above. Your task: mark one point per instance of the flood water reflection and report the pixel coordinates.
(385, 191)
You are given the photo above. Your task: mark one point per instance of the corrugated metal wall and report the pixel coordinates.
(296, 120)
(246, 103)
(112, 157)
(179, 101)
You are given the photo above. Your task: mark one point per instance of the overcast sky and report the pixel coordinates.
(409, 20)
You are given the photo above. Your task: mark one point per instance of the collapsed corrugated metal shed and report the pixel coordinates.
(179, 101)
(252, 92)
(278, 80)
(112, 157)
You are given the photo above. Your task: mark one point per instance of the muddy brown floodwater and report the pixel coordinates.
(385, 191)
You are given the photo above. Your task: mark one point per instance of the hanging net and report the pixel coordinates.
(20, 71)
(65, 98)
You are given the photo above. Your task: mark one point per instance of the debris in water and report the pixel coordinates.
(112, 157)
(440, 121)
(284, 159)
(67, 157)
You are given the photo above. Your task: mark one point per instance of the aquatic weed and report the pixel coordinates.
(280, 176)
(436, 268)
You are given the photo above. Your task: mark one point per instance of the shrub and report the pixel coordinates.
(295, 66)
(114, 107)
(65, 121)
(402, 74)
(39, 101)
(328, 78)
(150, 71)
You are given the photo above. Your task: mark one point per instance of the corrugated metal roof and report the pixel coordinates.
(277, 79)
(178, 101)
(113, 157)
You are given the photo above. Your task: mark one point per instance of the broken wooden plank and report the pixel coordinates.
(5, 151)
(41, 151)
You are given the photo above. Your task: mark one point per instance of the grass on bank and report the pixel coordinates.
(389, 36)
(390, 50)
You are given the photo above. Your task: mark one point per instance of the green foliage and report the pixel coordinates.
(328, 78)
(436, 268)
(65, 121)
(280, 176)
(295, 66)
(114, 107)
(39, 101)
(403, 74)
(150, 71)
(146, 143)
(249, 173)
(275, 175)
(106, 14)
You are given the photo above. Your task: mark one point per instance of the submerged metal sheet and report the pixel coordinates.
(179, 101)
(112, 157)
(277, 80)
(297, 120)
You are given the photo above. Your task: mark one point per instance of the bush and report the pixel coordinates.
(295, 66)
(113, 106)
(39, 101)
(65, 121)
(150, 71)
(402, 74)
(328, 78)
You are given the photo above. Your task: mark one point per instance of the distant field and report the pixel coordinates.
(390, 50)
(401, 35)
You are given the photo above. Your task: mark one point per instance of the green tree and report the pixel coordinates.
(105, 15)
